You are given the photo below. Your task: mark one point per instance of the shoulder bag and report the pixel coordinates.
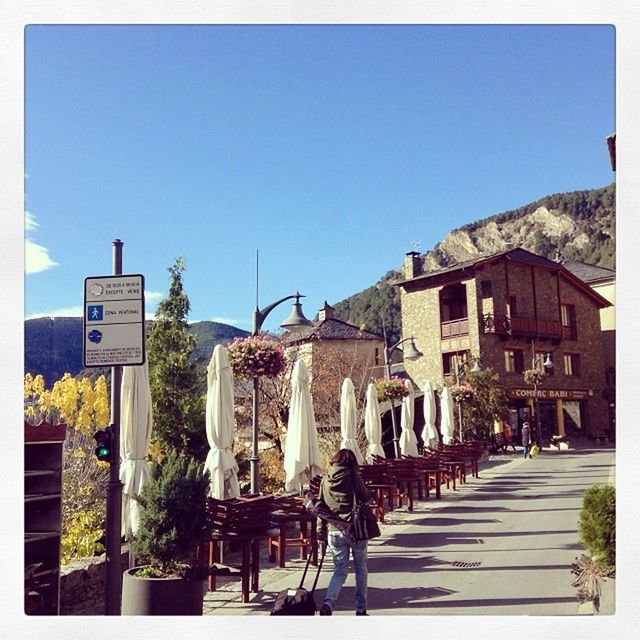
(364, 524)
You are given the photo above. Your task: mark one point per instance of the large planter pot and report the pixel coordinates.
(161, 596)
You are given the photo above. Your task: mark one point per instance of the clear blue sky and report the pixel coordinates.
(330, 149)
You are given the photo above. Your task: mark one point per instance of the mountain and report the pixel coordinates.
(53, 346)
(578, 225)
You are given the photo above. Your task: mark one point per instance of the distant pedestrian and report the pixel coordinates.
(526, 439)
(337, 489)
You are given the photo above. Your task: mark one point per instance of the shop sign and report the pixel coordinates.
(551, 394)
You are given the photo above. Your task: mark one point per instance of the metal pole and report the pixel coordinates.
(255, 458)
(114, 488)
(254, 461)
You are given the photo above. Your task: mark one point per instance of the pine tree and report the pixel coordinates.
(177, 391)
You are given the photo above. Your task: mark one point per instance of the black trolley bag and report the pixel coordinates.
(299, 602)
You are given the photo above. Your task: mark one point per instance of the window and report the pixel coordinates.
(450, 361)
(514, 360)
(571, 364)
(513, 307)
(569, 321)
(486, 288)
(540, 359)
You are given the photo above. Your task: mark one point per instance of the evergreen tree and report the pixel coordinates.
(177, 390)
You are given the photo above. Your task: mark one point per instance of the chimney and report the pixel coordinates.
(412, 265)
(326, 312)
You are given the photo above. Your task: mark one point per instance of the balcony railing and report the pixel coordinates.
(521, 326)
(454, 328)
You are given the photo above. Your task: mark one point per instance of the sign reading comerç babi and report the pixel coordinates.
(551, 394)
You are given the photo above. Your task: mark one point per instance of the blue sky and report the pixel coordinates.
(332, 150)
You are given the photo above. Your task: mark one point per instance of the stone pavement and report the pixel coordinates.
(502, 544)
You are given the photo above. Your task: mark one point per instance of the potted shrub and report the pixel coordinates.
(172, 524)
(597, 532)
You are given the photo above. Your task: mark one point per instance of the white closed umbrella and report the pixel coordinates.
(348, 419)
(429, 433)
(301, 451)
(373, 424)
(408, 441)
(136, 424)
(220, 426)
(447, 424)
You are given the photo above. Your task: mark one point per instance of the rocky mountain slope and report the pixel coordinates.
(578, 225)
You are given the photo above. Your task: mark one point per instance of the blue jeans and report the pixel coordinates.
(340, 546)
(527, 448)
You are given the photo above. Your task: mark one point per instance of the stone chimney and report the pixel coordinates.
(412, 265)
(326, 312)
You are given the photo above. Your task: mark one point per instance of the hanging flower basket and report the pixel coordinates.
(462, 392)
(390, 389)
(534, 376)
(256, 357)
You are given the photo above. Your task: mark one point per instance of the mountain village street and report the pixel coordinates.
(501, 544)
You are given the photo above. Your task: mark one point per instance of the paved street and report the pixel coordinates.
(502, 544)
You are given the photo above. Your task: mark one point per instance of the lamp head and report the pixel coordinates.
(411, 352)
(548, 363)
(296, 319)
(476, 367)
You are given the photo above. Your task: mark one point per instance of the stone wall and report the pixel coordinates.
(83, 585)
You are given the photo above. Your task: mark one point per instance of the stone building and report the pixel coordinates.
(510, 310)
(332, 350)
(603, 281)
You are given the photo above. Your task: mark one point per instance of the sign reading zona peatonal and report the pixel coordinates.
(113, 321)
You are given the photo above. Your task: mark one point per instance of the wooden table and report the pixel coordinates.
(278, 544)
(250, 564)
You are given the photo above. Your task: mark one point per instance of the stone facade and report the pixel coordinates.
(83, 585)
(520, 285)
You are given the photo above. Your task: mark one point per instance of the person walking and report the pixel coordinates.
(337, 489)
(526, 439)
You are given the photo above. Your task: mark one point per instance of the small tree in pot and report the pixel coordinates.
(172, 524)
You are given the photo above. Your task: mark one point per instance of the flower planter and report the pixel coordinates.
(161, 596)
(255, 357)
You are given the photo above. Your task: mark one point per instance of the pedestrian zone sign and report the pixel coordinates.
(113, 321)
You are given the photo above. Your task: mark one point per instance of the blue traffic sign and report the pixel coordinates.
(94, 312)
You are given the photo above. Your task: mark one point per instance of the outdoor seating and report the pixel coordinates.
(432, 474)
(448, 469)
(289, 513)
(383, 486)
(392, 483)
(243, 521)
(249, 567)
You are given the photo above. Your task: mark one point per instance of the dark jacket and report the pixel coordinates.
(337, 488)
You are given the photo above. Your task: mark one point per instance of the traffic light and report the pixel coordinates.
(104, 440)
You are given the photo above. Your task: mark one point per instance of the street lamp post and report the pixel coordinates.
(547, 363)
(410, 353)
(459, 368)
(295, 321)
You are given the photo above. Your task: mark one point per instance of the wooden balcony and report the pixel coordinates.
(522, 326)
(454, 328)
